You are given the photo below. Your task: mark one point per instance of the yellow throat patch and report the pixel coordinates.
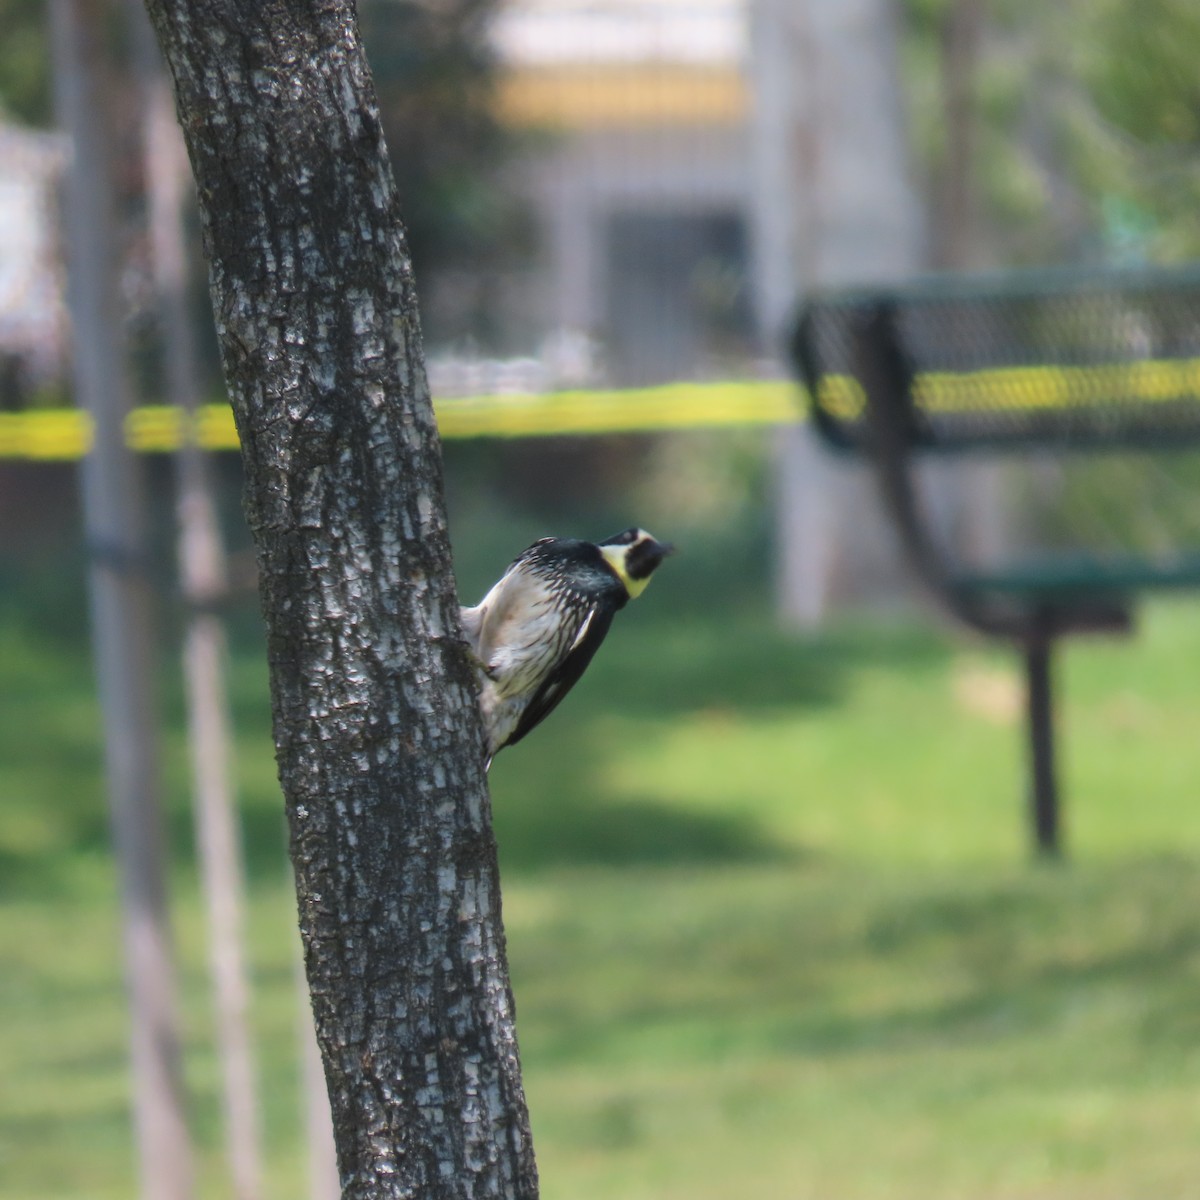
(615, 557)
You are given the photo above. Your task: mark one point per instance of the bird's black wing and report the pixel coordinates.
(566, 675)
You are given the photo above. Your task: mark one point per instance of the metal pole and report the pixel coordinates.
(1044, 794)
(121, 610)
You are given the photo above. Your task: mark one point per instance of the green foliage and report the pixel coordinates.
(434, 71)
(1142, 70)
(1087, 127)
(1145, 505)
(25, 62)
(1143, 155)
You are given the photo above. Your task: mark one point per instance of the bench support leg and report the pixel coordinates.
(1044, 793)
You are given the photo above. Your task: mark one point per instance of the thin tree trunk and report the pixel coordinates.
(377, 729)
(954, 200)
(114, 518)
(203, 583)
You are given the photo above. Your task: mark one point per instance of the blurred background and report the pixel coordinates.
(773, 924)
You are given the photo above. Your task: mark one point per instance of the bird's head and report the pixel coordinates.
(634, 555)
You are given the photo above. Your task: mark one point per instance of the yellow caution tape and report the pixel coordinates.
(65, 434)
(156, 427)
(1025, 389)
(1000, 389)
(47, 435)
(671, 406)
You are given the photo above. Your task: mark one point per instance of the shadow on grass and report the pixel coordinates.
(1030, 961)
(659, 666)
(551, 808)
(538, 836)
(551, 804)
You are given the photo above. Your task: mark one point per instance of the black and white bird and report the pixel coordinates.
(534, 633)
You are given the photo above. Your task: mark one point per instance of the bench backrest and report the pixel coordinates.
(1048, 359)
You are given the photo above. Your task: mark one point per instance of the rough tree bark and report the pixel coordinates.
(377, 732)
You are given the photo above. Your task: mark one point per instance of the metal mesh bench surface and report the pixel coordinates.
(1053, 360)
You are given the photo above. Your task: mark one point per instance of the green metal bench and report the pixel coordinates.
(1074, 362)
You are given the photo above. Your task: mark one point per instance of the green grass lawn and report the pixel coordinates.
(772, 924)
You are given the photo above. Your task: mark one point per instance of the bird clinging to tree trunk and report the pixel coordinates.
(535, 632)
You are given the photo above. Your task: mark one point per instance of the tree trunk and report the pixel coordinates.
(954, 193)
(378, 737)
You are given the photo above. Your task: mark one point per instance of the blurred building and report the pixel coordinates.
(33, 323)
(639, 173)
(698, 163)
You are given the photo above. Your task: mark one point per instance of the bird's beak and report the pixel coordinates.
(665, 548)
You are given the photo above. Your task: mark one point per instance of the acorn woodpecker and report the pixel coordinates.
(535, 632)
